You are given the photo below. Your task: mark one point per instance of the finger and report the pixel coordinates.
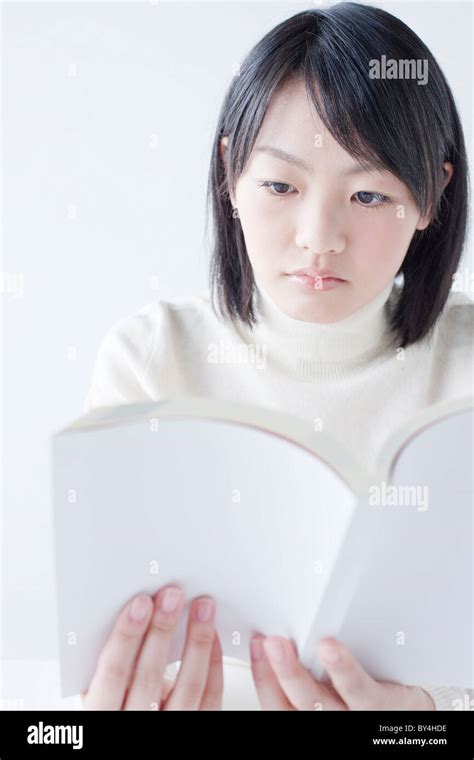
(301, 689)
(115, 663)
(270, 694)
(192, 677)
(145, 692)
(168, 684)
(356, 687)
(212, 698)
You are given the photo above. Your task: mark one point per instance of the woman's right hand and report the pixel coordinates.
(130, 670)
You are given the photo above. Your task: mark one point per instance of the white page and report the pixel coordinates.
(411, 619)
(224, 509)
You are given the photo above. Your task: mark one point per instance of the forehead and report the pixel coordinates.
(292, 126)
(291, 122)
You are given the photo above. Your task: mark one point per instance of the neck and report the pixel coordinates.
(307, 348)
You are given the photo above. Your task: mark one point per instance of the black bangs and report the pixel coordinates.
(381, 119)
(381, 94)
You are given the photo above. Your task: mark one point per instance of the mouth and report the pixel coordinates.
(315, 283)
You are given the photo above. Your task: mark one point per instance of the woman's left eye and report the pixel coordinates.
(366, 199)
(278, 185)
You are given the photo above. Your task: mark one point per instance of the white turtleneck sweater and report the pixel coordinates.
(342, 376)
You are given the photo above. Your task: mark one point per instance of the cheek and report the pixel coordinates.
(267, 232)
(264, 219)
(382, 231)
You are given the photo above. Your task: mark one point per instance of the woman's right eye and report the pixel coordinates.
(276, 185)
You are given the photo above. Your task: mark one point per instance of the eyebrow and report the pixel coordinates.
(301, 164)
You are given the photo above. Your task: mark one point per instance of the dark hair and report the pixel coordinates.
(399, 125)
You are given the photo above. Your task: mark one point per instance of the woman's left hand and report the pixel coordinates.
(283, 683)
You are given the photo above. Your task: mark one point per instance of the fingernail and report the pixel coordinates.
(140, 607)
(204, 610)
(170, 599)
(256, 649)
(275, 650)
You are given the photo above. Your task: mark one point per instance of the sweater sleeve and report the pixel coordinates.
(455, 334)
(451, 697)
(123, 356)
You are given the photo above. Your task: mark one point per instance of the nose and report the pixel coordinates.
(319, 229)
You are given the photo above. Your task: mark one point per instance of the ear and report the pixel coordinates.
(223, 145)
(448, 170)
(224, 142)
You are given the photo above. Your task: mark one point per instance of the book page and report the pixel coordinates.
(224, 509)
(411, 618)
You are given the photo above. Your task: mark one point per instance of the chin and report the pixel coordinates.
(324, 315)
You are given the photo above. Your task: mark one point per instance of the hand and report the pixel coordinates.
(130, 669)
(285, 684)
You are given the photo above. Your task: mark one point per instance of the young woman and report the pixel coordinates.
(339, 201)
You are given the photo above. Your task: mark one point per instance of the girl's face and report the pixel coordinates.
(316, 208)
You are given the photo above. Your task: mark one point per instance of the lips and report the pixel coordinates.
(316, 284)
(317, 273)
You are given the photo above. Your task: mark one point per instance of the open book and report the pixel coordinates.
(278, 524)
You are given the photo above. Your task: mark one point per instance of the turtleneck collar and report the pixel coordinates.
(309, 350)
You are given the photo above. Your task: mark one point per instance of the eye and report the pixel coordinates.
(366, 199)
(278, 186)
